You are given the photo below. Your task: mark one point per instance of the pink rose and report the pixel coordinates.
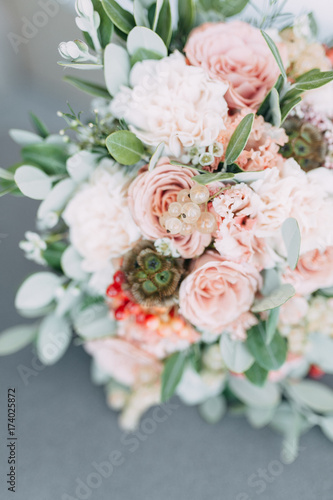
(149, 197)
(235, 52)
(123, 361)
(217, 292)
(314, 270)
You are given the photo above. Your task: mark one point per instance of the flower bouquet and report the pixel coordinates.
(185, 226)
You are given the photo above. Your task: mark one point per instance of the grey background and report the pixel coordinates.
(63, 423)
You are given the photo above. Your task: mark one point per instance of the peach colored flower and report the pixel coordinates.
(217, 292)
(123, 361)
(149, 197)
(237, 53)
(293, 311)
(314, 270)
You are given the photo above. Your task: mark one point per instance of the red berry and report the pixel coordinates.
(141, 318)
(316, 372)
(113, 290)
(120, 313)
(119, 278)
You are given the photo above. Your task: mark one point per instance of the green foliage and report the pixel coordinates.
(88, 87)
(275, 51)
(53, 254)
(269, 356)
(256, 374)
(275, 298)
(51, 158)
(186, 14)
(239, 139)
(125, 147)
(163, 24)
(172, 373)
(214, 177)
(120, 17)
(224, 8)
(16, 338)
(39, 126)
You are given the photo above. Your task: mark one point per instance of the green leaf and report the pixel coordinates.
(164, 23)
(313, 80)
(140, 14)
(235, 354)
(53, 339)
(288, 107)
(271, 324)
(316, 396)
(239, 139)
(204, 179)
(276, 298)
(88, 87)
(259, 417)
(274, 101)
(105, 29)
(234, 169)
(141, 38)
(256, 375)
(37, 291)
(50, 157)
(33, 182)
(71, 264)
(15, 338)
(269, 356)
(186, 15)
(117, 67)
(24, 138)
(125, 147)
(95, 322)
(273, 48)
(271, 281)
(6, 174)
(265, 105)
(213, 409)
(156, 156)
(120, 17)
(53, 254)
(172, 373)
(142, 55)
(267, 396)
(226, 8)
(292, 240)
(39, 126)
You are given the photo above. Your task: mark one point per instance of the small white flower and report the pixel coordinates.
(216, 149)
(33, 247)
(206, 159)
(166, 246)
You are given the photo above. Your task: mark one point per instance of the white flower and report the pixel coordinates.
(166, 247)
(33, 247)
(173, 103)
(101, 226)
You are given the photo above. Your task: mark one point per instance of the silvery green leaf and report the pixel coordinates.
(266, 396)
(256, 374)
(273, 48)
(205, 179)
(249, 176)
(37, 313)
(239, 139)
(173, 370)
(274, 101)
(326, 424)
(94, 322)
(57, 198)
(272, 281)
(276, 298)
(271, 324)
(125, 147)
(33, 182)
(320, 351)
(259, 417)
(144, 38)
(15, 338)
(120, 17)
(193, 390)
(140, 14)
(53, 339)
(268, 355)
(71, 263)
(37, 291)
(6, 174)
(316, 396)
(292, 240)
(88, 87)
(70, 299)
(83, 66)
(284, 418)
(117, 67)
(24, 138)
(235, 354)
(156, 156)
(327, 291)
(213, 409)
(313, 80)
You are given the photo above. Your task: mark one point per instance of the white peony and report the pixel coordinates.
(101, 226)
(173, 103)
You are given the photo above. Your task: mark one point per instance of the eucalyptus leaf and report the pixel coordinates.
(186, 15)
(50, 157)
(6, 174)
(256, 374)
(82, 66)
(267, 396)
(33, 182)
(57, 198)
(172, 374)
(15, 338)
(125, 147)
(292, 239)
(120, 17)
(24, 138)
(225, 8)
(94, 322)
(164, 23)
(235, 354)
(213, 409)
(156, 156)
(208, 178)
(117, 67)
(272, 281)
(259, 417)
(143, 38)
(143, 55)
(37, 291)
(88, 87)
(53, 253)
(276, 298)
(71, 263)
(274, 101)
(273, 48)
(313, 394)
(105, 29)
(53, 339)
(239, 139)
(193, 389)
(320, 351)
(269, 356)
(271, 324)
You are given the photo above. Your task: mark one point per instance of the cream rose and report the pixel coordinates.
(150, 195)
(100, 223)
(173, 103)
(235, 52)
(217, 292)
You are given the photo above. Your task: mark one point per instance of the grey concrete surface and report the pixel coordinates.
(64, 428)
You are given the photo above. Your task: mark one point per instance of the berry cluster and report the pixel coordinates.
(188, 214)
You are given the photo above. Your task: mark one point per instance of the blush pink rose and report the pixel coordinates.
(217, 292)
(314, 270)
(150, 195)
(235, 52)
(123, 361)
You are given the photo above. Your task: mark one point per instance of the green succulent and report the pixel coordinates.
(153, 279)
(306, 144)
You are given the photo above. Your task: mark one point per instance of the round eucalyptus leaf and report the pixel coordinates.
(117, 67)
(235, 354)
(53, 339)
(71, 263)
(144, 38)
(213, 409)
(33, 182)
(37, 291)
(15, 338)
